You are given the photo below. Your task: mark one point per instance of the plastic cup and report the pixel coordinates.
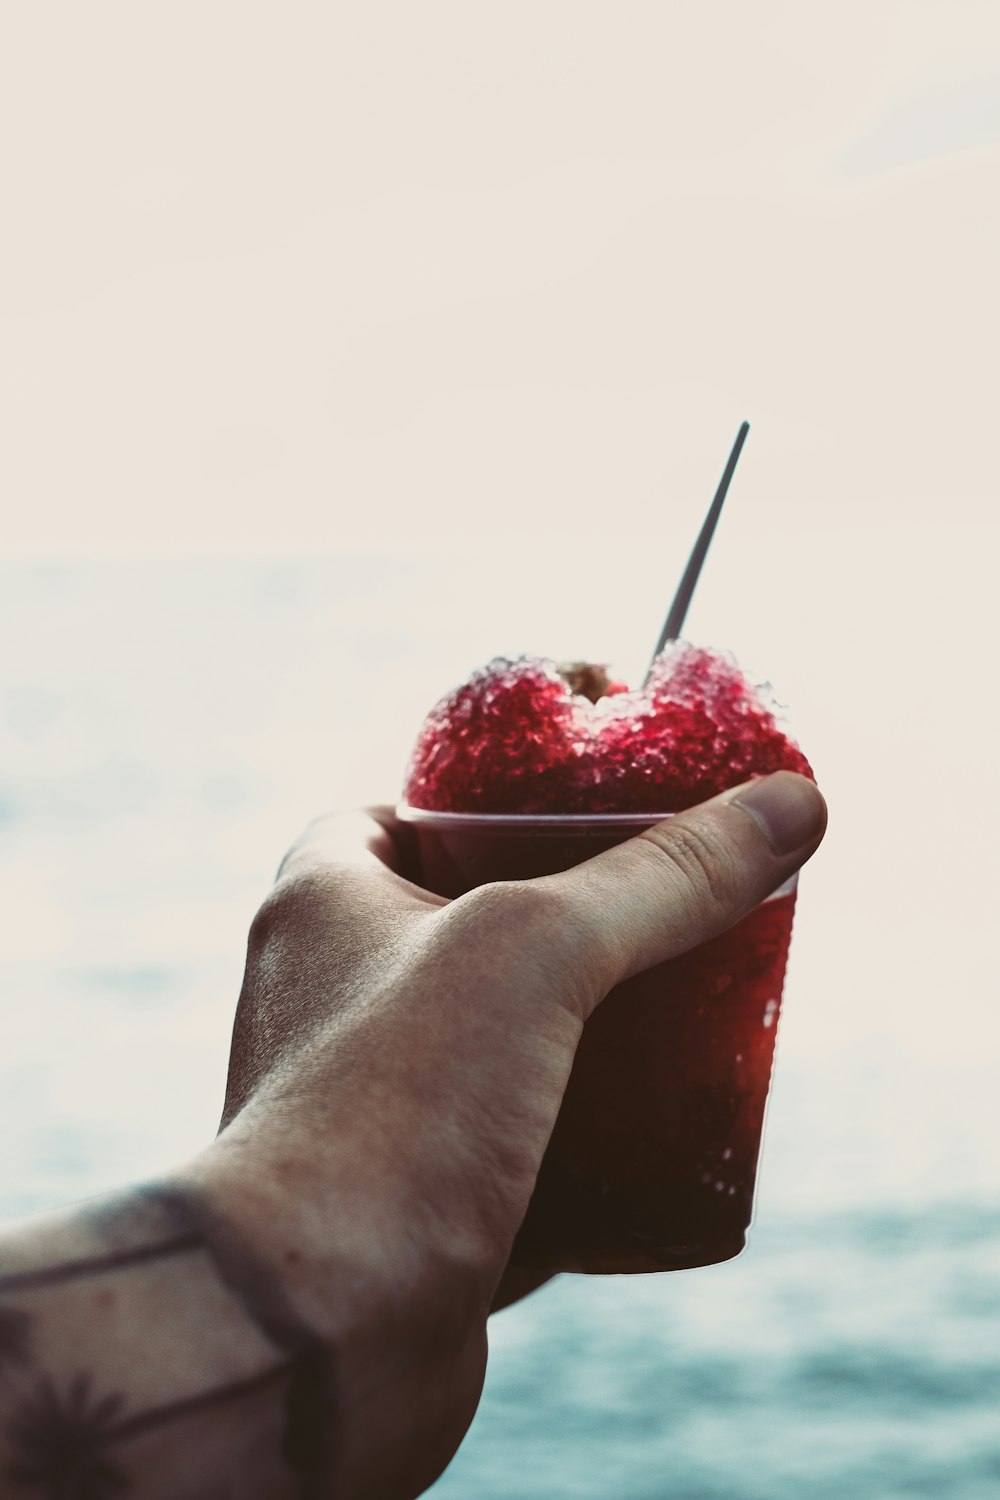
(653, 1159)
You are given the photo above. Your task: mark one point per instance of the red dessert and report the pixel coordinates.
(527, 736)
(518, 774)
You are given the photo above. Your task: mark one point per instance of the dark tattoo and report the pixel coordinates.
(307, 1434)
(310, 1403)
(13, 1336)
(61, 1442)
(145, 1421)
(64, 1441)
(98, 1265)
(236, 1267)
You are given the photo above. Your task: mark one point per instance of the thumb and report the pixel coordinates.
(687, 879)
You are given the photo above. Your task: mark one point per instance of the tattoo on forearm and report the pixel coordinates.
(98, 1265)
(13, 1336)
(60, 1441)
(64, 1438)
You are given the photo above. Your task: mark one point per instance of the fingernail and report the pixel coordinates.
(789, 808)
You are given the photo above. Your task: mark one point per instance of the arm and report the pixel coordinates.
(302, 1310)
(142, 1352)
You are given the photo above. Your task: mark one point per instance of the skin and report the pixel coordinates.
(302, 1310)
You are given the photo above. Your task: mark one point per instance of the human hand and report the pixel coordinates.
(398, 1063)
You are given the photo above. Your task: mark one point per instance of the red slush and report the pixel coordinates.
(653, 1159)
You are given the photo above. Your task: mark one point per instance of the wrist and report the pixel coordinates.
(401, 1322)
(262, 1209)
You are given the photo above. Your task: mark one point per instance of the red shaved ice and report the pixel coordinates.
(517, 738)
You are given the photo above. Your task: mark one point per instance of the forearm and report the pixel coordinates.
(142, 1351)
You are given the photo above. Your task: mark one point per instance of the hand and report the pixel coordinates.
(397, 1066)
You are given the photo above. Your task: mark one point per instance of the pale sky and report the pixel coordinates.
(279, 280)
(503, 280)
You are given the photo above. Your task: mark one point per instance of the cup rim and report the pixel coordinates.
(556, 823)
(568, 822)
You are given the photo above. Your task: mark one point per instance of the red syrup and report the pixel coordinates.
(653, 1159)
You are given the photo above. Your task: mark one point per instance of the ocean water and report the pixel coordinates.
(166, 728)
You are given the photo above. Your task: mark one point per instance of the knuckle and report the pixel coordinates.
(269, 917)
(703, 861)
(520, 911)
(293, 906)
(532, 932)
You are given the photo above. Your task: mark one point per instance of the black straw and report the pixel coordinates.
(674, 623)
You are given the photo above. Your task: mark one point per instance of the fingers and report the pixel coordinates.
(339, 909)
(674, 886)
(689, 878)
(369, 849)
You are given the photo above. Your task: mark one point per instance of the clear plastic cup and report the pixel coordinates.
(653, 1159)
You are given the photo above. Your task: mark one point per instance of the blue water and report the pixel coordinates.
(848, 1355)
(164, 731)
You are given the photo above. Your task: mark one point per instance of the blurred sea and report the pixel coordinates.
(165, 729)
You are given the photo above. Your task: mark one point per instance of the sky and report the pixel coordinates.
(300, 279)
(486, 292)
